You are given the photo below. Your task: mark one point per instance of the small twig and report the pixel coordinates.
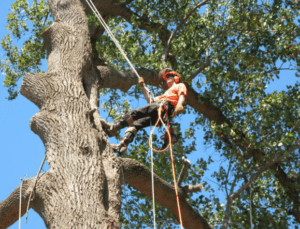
(295, 126)
(46, 18)
(265, 136)
(183, 20)
(199, 70)
(228, 206)
(108, 115)
(207, 60)
(263, 31)
(280, 69)
(228, 97)
(183, 171)
(227, 175)
(36, 178)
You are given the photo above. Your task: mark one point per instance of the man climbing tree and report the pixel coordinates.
(171, 103)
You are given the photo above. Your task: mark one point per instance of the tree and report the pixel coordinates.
(227, 55)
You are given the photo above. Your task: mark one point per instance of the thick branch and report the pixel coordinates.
(9, 208)
(139, 177)
(112, 78)
(34, 87)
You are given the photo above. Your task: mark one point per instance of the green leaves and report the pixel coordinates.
(20, 61)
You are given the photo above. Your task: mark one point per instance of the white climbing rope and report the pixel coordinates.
(152, 178)
(20, 204)
(37, 176)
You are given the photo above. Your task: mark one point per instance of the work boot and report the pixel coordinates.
(128, 138)
(111, 129)
(119, 148)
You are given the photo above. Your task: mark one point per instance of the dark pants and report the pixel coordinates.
(147, 115)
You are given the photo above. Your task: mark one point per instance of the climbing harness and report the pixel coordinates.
(171, 152)
(93, 8)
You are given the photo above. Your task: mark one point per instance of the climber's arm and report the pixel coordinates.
(179, 107)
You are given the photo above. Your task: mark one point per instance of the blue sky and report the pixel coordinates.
(22, 151)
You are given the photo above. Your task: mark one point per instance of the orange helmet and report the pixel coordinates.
(167, 72)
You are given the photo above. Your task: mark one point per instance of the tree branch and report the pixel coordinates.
(192, 188)
(139, 177)
(112, 78)
(183, 20)
(186, 164)
(9, 208)
(228, 206)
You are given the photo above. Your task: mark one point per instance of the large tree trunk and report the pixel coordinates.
(83, 185)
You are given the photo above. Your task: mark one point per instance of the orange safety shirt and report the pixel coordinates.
(173, 93)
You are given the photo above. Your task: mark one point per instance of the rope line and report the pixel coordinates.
(171, 155)
(34, 186)
(20, 203)
(152, 180)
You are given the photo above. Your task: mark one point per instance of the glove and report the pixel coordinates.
(141, 81)
(179, 109)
